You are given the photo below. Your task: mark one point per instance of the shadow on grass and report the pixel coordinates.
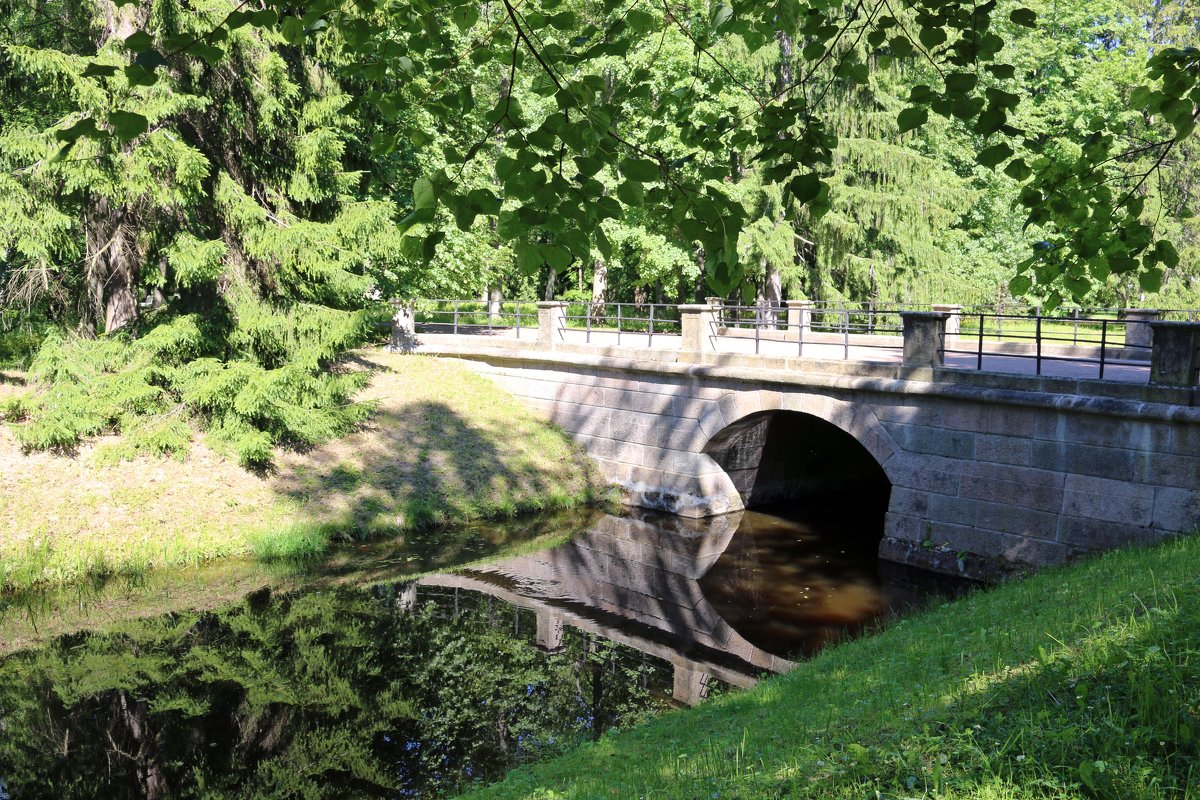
(418, 469)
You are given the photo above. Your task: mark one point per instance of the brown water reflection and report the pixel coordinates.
(728, 598)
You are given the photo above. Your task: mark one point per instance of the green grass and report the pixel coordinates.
(443, 447)
(1081, 682)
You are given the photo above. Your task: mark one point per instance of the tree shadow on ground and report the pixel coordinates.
(424, 465)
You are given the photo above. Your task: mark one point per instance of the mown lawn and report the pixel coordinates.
(443, 447)
(1081, 682)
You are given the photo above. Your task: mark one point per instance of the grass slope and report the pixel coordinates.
(1077, 682)
(444, 446)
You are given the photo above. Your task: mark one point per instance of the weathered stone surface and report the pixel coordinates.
(1103, 499)
(1011, 485)
(934, 441)
(928, 473)
(1102, 462)
(1003, 449)
(908, 501)
(1177, 510)
(1091, 534)
(1162, 469)
(1007, 518)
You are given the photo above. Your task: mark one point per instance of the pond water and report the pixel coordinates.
(380, 686)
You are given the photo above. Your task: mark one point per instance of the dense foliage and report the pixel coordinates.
(321, 694)
(224, 192)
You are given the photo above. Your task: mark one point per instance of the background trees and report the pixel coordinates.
(224, 193)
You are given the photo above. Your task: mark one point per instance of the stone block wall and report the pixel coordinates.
(986, 479)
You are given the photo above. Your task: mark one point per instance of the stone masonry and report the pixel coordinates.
(989, 473)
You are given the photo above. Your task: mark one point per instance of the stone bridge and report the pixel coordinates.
(981, 473)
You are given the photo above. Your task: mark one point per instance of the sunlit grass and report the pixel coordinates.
(445, 447)
(1077, 682)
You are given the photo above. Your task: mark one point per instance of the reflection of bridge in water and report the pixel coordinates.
(637, 582)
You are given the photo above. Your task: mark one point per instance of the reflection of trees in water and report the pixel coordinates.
(323, 694)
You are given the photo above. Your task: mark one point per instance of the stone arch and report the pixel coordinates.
(748, 415)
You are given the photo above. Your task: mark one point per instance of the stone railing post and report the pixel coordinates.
(690, 686)
(552, 320)
(1175, 358)
(699, 326)
(799, 316)
(549, 630)
(1139, 336)
(954, 322)
(404, 331)
(924, 337)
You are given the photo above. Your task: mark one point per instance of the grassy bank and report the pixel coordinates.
(1078, 682)
(443, 447)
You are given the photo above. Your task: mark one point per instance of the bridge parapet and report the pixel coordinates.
(719, 334)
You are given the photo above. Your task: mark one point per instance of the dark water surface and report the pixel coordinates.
(415, 687)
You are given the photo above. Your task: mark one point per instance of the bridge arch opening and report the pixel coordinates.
(789, 458)
(825, 498)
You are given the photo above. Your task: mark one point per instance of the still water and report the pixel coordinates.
(421, 686)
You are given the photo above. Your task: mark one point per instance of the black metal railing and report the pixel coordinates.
(823, 325)
(641, 321)
(1098, 341)
(474, 316)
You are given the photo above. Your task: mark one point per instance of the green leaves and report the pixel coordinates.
(805, 188)
(640, 169)
(991, 156)
(424, 195)
(127, 125)
(911, 119)
(1024, 17)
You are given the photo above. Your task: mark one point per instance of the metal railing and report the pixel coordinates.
(824, 326)
(640, 320)
(474, 316)
(1078, 340)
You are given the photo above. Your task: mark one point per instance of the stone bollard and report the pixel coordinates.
(954, 322)
(699, 327)
(549, 630)
(924, 338)
(552, 321)
(690, 686)
(1175, 358)
(404, 331)
(1139, 336)
(799, 316)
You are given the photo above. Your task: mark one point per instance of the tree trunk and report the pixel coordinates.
(111, 266)
(769, 295)
(551, 285)
(599, 288)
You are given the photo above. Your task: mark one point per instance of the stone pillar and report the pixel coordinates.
(799, 316)
(699, 327)
(406, 600)
(495, 301)
(924, 337)
(1139, 336)
(552, 319)
(715, 301)
(404, 335)
(954, 322)
(690, 685)
(1175, 359)
(549, 630)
